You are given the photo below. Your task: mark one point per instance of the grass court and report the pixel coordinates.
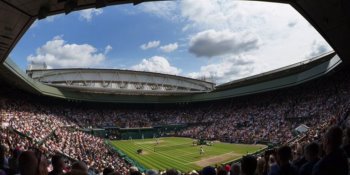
(179, 153)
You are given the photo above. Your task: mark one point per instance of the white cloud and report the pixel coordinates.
(212, 43)
(108, 48)
(88, 14)
(52, 18)
(48, 19)
(318, 48)
(35, 23)
(208, 13)
(269, 35)
(285, 37)
(162, 9)
(292, 23)
(150, 45)
(156, 64)
(169, 48)
(56, 53)
(227, 69)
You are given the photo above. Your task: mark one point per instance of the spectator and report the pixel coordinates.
(3, 159)
(77, 172)
(260, 166)
(273, 167)
(235, 169)
(221, 171)
(28, 163)
(334, 162)
(108, 171)
(133, 169)
(208, 170)
(228, 169)
(42, 163)
(284, 156)
(13, 161)
(151, 172)
(346, 146)
(311, 155)
(58, 165)
(79, 166)
(299, 158)
(172, 172)
(248, 165)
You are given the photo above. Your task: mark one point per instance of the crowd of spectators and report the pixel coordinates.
(27, 126)
(274, 116)
(328, 157)
(33, 120)
(85, 147)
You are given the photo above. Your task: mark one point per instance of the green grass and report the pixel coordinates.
(185, 158)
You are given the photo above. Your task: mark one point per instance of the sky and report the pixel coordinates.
(219, 40)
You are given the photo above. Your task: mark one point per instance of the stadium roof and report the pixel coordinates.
(120, 81)
(301, 73)
(277, 73)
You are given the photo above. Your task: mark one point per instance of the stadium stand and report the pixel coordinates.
(53, 127)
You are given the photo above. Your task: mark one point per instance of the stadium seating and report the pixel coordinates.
(54, 126)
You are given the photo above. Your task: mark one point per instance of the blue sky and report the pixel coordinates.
(222, 40)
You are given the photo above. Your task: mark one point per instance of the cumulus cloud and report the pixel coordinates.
(236, 15)
(48, 19)
(88, 14)
(232, 30)
(208, 13)
(162, 9)
(256, 18)
(150, 45)
(56, 53)
(156, 64)
(212, 43)
(108, 48)
(227, 69)
(169, 48)
(229, 30)
(318, 48)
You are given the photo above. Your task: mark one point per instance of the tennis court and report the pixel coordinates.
(180, 153)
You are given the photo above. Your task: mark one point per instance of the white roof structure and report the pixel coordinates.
(120, 81)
